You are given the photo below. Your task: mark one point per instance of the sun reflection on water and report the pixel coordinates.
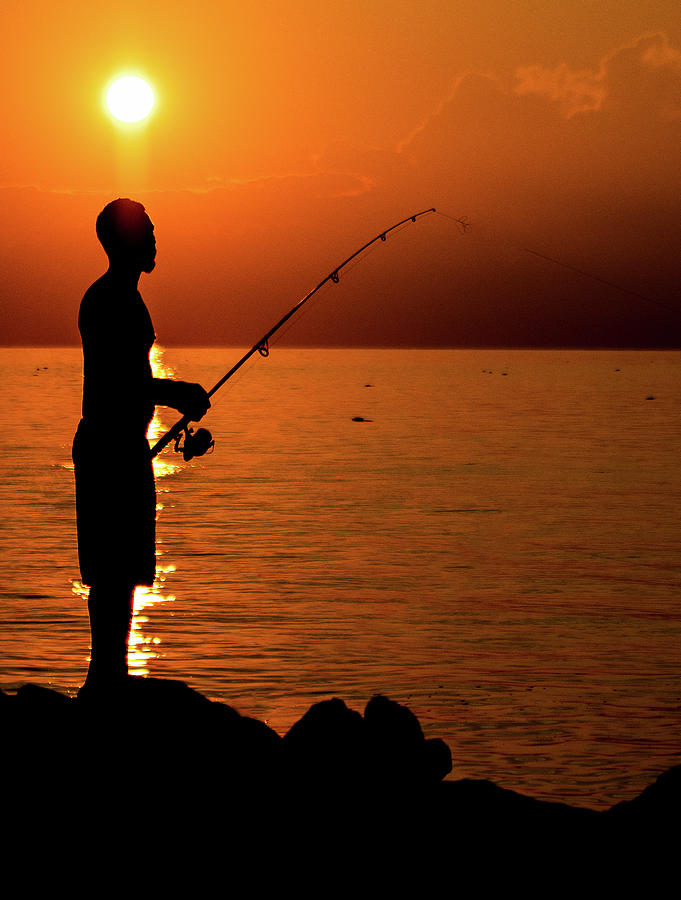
(143, 647)
(163, 464)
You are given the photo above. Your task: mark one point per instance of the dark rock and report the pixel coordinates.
(657, 807)
(142, 695)
(395, 723)
(437, 759)
(483, 804)
(475, 823)
(204, 748)
(396, 739)
(337, 779)
(42, 699)
(400, 749)
(329, 741)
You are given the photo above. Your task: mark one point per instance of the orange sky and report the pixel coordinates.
(288, 133)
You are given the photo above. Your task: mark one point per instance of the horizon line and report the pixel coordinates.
(557, 347)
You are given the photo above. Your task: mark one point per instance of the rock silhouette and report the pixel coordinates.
(338, 780)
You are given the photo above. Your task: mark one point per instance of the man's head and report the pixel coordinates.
(127, 234)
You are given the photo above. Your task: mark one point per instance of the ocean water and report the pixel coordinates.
(496, 545)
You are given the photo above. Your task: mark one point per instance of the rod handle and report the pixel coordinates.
(169, 436)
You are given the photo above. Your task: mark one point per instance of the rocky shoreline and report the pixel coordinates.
(160, 750)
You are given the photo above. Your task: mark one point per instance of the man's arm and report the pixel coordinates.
(187, 398)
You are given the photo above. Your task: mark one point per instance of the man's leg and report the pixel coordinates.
(110, 608)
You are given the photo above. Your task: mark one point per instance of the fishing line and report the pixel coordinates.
(461, 221)
(605, 281)
(496, 242)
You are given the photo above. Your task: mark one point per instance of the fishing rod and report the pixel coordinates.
(199, 442)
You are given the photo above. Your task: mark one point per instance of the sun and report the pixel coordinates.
(130, 99)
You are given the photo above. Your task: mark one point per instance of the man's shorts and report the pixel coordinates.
(115, 507)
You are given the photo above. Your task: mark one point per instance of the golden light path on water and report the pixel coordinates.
(143, 647)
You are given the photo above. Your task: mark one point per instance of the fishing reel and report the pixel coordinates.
(196, 443)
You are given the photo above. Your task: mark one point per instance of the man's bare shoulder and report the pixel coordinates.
(95, 307)
(101, 289)
(112, 312)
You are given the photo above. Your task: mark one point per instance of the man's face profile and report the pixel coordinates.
(127, 235)
(147, 248)
(137, 243)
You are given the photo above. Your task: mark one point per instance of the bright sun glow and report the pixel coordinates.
(130, 99)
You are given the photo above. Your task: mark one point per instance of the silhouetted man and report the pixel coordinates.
(115, 494)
